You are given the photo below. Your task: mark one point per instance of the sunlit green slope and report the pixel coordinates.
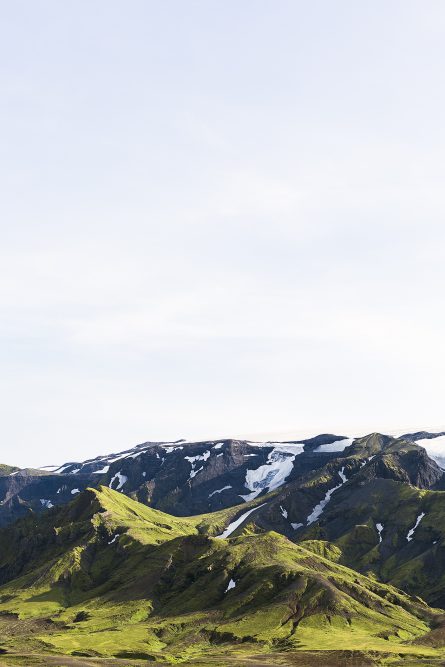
(107, 576)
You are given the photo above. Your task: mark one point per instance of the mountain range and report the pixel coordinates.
(328, 550)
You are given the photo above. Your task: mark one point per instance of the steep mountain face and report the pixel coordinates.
(25, 491)
(190, 478)
(179, 478)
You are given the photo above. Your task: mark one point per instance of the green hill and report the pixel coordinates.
(108, 577)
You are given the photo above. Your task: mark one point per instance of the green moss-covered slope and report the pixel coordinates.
(107, 576)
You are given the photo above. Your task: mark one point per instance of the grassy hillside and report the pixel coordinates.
(107, 576)
(350, 525)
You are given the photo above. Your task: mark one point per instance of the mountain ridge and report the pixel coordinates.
(258, 591)
(230, 548)
(174, 477)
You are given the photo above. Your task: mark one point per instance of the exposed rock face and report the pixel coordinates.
(27, 490)
(177, 477)
(183, 478)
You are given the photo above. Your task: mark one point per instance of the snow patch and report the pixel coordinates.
(113, 459)
(46, 503)
(114, 539)
(199, 457)
(285, 446)
(379, 527)
(193, 459)
(74, 491)
(273, 473)
(337, 446)
(409, 537)
(234, 525)
(62, 469)
(283, 512)
(318, 509)
(219, 490)
(363, 463)
(102, 471)
(295, 526)
(121, 481)
(231, 585)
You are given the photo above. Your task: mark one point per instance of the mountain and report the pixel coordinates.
(108, 576)
(376, 503)
(192, 478)
(179, 478)
(329, 550)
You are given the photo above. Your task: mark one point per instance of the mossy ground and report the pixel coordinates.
(107, 578)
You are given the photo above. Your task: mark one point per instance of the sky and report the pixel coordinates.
(219, 219)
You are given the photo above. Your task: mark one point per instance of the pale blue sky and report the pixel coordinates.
(219, 219)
